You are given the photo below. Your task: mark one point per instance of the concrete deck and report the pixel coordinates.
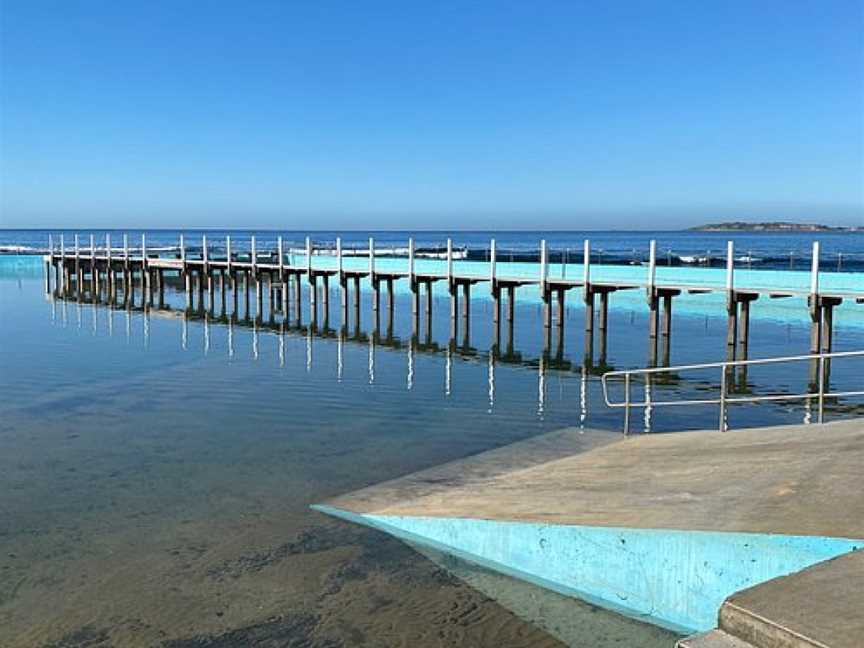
(801, 480)
(661, 527)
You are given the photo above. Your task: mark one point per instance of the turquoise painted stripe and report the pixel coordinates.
(674, 578)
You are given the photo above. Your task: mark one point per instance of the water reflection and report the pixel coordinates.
(272, 316)
(275, 313)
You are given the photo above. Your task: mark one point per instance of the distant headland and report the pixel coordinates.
(776, 226)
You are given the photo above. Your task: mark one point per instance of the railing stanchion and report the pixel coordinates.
(411, 261)
(821, 388)
(627, 403)
(723, 373)
(449, 262)
(281, 257)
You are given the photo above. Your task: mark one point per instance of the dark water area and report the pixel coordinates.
(841, 251)
(157, 465)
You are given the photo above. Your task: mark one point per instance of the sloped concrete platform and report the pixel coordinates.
(660, 527)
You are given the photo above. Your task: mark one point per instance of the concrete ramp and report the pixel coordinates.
(660, 527)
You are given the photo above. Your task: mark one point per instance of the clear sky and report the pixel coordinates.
(526, 115)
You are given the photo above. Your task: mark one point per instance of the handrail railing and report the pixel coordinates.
(725, 399)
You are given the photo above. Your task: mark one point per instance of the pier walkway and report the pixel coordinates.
(282, 274)
(664, 528)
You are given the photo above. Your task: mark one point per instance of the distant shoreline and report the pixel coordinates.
(740, 226)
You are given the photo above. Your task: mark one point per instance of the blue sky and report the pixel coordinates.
(430, 115)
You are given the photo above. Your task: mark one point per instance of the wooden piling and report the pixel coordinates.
(376, 292)
(496, 305)
(454, 300)
(604, 311)
(589, 312)
(667, 315)
(744, 325)
(561, 311)
(235, 289)
(415, 297)
(454, 310)
(145, 279)
(466, 301)
(828, 304)
(731, 327)
(652, 316)
(313, 296)
(246, 287)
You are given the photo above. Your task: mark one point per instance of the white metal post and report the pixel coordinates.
(92, 246)
(543, 267)
(492, 262)
(339, 258)
(281, 262)
(586, 262)
(411, 260)
(652, 268)
(62, 247)
(449, 262)
(371, 257)
(309, 258)
(627, 403)
(126, 248)
(730, 266)
(814, 271)
(77, 250)
(204, 255)
(228, 257)
(254, 257)
(821, 416)
(108, 250)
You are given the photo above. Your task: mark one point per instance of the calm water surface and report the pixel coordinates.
(156, 468)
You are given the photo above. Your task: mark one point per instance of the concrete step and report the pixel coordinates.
(713, 639)
(818, 607)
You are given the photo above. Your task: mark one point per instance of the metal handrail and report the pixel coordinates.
(724, 400)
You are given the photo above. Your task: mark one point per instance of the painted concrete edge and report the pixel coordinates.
(677, 579)
(508, 570)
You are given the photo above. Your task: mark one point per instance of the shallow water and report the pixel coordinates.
(156, 468)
